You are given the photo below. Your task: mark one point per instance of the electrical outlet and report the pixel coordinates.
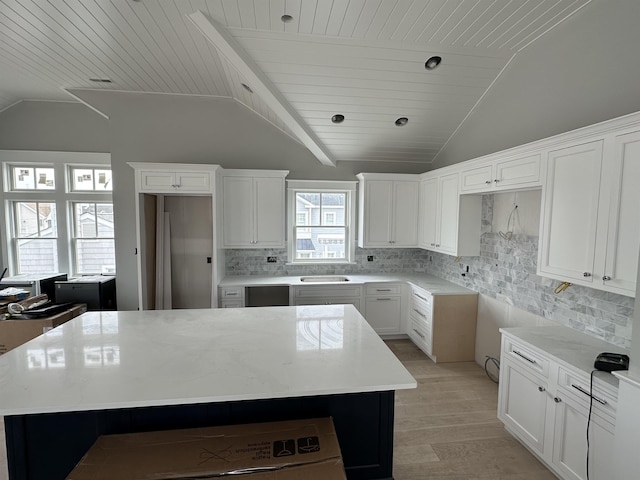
(272, 259)
(369, 258)
(430, 258)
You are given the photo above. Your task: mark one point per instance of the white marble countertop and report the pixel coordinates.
(567, 346)
(434, 285)
(106, 360)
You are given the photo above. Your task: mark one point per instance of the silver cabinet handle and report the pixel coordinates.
(420, 313)
(606, 277)
(557, 400)
(231, 294)
(496, 180)
(582, 390)
(421, 297)
(524, 356)
(383, 289)
(586, 274)
(541, 389)
(419, 334)
(382, 299)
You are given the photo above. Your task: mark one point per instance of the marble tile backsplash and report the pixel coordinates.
(505, 270)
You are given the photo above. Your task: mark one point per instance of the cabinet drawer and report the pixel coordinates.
(231, 303)
(605, 400)
(421, 296)
(383, 289)
(420, 335)
(232, 292)
(526, 357)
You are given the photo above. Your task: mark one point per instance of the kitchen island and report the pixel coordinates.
(122, 372)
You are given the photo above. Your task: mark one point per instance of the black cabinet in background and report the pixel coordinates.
(98, 292)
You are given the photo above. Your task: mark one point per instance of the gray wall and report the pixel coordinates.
(583, 72)
(53, 126)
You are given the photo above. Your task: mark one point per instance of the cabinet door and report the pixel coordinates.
(478, 179)
(623, 240)
(518, 172)
(522, 404)
(378, 209)
(571, 198)
(405, 214)
(448, 214)
(384, 314)
(158, 182)
(570, 442)
(238, 212)
(428, 213)
(269, 216)
(193, 182)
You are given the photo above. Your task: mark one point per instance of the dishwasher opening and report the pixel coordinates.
(267, 296)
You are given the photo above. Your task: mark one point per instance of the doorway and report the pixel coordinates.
(178, 250)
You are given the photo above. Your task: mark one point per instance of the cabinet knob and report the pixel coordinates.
(586, 274)
(541, 389)
(606, 277)
(496, 180)
(437, 245)
(488, 182)
(557, 400)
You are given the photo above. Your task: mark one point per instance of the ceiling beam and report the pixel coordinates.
(260, 84)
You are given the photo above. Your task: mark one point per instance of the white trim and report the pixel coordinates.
(260, 83)
(322, 184)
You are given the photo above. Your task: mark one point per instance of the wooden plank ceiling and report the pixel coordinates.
(363, 59)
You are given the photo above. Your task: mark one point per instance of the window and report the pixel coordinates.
(90, 179)
(35, 233)
(59, 213)
(93, 242)
(320, 216)
(26, 177)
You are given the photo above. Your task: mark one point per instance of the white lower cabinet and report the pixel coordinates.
(523, 404)
(443, 326)
(328, 295)
(546, 405)
(383, 307)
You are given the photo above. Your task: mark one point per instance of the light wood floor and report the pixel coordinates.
(446, 429)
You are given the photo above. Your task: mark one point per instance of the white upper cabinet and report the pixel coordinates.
(590, 233)
(502, 174)
(253, 208)
(449, 222)
(388, 210)
(173, 178)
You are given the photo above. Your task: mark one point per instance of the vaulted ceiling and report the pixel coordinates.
(364, 59)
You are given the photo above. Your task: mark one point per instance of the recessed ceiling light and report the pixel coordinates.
(100, 80)
(338, 118)
(402, 121)
(432, 63)
(286, 18)
(246, 87)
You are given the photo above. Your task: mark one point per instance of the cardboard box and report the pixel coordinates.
(297, 449)
(14, 333)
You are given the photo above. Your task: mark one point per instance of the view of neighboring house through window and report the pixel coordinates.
(320, 229)
(59, 216)
(93, 238)
(35, 236)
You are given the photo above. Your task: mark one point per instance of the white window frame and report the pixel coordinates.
(61, 196)
(350, 227)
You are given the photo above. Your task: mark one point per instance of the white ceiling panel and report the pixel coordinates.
(361, 58)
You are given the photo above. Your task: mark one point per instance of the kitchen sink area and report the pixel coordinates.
(324, 279)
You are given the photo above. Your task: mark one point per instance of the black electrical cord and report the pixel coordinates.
(589, 417)
(496, 362)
